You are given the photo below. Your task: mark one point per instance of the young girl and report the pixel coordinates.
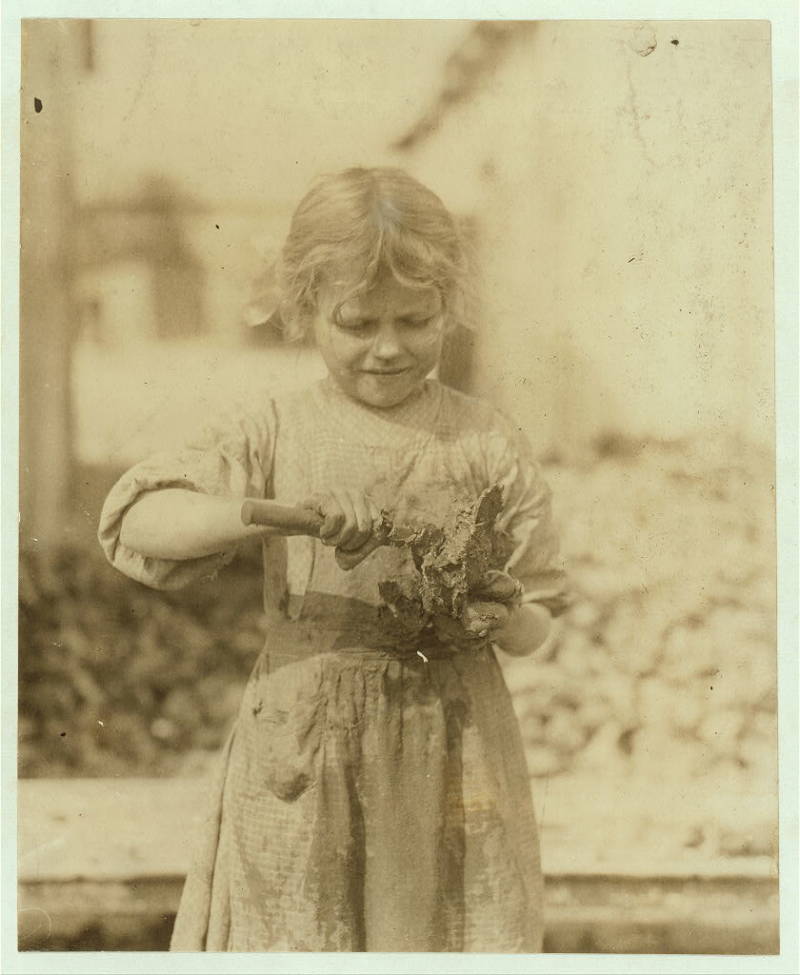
(373, 794)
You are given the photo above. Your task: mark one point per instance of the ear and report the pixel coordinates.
(450, 323)
(456, 360)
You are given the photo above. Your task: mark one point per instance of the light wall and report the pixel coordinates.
(245, 113)
(621, 174)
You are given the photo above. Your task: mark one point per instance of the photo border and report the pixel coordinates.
(784, 19)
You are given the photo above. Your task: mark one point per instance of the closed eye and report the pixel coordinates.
(356, 326)
(417, 322)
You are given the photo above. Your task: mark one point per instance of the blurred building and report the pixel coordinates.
(137, 277)
(619, 176)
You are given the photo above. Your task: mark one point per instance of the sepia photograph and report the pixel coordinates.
(397, 487)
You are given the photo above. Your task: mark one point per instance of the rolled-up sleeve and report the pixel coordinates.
(230, 460)
(527, 517)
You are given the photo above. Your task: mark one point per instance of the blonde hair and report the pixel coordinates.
(353, 226)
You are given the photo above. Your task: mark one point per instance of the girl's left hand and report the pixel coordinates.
(490, 609)
(499, 587)
(482, 618)
(479, 620)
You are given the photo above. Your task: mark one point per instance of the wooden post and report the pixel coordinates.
(51, 60)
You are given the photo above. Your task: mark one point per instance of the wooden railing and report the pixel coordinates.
(102, 861)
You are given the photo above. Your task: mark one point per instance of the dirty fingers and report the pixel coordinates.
(350, 519)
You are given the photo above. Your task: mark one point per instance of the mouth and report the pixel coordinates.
(385, 372)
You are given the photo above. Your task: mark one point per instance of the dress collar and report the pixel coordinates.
(418, 411)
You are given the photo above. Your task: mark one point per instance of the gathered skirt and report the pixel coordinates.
(369, 801)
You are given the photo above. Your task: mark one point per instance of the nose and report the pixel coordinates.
(387, 342)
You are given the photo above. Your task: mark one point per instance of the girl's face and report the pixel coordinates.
(383, 343)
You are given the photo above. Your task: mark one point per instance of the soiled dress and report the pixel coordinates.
(373, 794)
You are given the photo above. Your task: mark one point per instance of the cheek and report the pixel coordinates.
(428, 347)
(342, 351)
(429, 341)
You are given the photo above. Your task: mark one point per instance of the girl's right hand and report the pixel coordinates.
(350, 519)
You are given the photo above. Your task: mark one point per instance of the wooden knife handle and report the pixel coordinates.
(285, 519)
(294, 520)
